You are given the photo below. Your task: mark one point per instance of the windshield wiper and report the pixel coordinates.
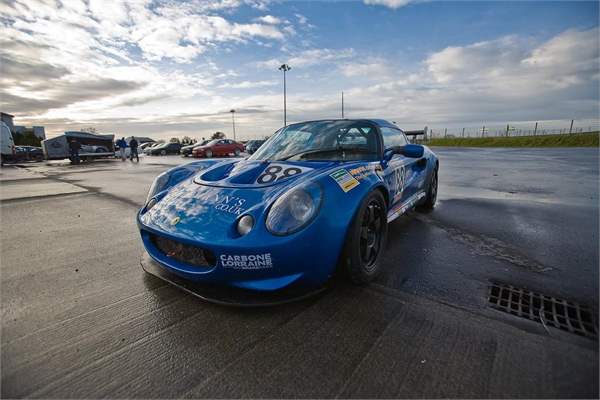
(330, 150)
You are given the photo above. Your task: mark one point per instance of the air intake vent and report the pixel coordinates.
(184, 253)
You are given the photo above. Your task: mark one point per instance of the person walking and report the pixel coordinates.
(133, 144)
(122, 145)
(74, 147)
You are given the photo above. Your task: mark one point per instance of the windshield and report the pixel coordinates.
(321, 140)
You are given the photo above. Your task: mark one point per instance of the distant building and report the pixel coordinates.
(8, 120)
(38, 131)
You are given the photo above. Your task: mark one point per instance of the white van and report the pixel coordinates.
(7, 144)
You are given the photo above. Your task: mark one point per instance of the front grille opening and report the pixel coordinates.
(184, 253)
(551, 311)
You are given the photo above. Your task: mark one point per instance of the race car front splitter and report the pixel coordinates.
(226, 295)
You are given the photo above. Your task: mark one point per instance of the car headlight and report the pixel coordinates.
(294, 210)
(159, 183)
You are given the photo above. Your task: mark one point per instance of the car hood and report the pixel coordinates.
(206, 206)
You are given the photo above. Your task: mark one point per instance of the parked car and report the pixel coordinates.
(26, 153)
(144, 146)
(149, 148)
(165, 148)
(219, 147)
(253, 145)
(187, 150)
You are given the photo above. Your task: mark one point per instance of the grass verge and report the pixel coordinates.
(589, 139)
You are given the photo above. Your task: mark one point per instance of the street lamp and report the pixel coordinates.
(232, 111)
(284, 68)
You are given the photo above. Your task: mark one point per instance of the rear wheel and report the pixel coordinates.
(366, 240)
(237, 152)
(431, 196)
(208, 153)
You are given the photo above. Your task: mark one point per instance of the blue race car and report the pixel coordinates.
(316, 198)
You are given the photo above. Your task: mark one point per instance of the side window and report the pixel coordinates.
(393, 137)
(353, 137)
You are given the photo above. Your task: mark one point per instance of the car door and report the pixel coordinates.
(402, 174)
(230, 146)
(223, 146)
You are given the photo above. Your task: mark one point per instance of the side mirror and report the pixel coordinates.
(409, 150)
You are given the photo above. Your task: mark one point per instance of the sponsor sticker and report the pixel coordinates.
(230, 204)
(344, 179)
(364, 171)
(246, 261)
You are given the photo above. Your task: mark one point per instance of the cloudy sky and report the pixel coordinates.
(167, 68)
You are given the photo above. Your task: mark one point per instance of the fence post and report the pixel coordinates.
(535, 129)
(463, 134)
(571, 128)
(445, 132)
(507, 128)
(483, 131)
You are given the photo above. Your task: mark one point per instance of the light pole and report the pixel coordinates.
(284, 68)
(232, 111)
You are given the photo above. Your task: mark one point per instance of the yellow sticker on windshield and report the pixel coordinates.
(343, 178)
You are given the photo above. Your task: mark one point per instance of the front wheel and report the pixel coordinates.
(237, 152)
(366, 238)
(431, 196)
(163, 152)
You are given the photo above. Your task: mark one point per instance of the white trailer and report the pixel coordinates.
(92, 146)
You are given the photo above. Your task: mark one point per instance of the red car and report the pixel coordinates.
(218, 147)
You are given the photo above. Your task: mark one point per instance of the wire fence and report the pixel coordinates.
(521, 129)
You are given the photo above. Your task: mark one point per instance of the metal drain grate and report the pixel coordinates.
(550, 311)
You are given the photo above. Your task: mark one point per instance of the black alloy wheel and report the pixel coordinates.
(365, 242)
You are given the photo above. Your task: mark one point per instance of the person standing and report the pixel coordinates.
(74, 147)
(133, 144)
(122, 144)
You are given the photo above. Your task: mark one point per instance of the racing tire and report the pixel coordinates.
(208, 154)
(365, 241)
(428, 203)
(163, 152)
(237, 152)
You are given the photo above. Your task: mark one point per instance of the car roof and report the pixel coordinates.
(375, 121)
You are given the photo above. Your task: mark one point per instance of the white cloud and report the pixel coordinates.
(269, 19)
(375, 70)
(308, 58)
(248, 84)
(74, 58)
(508, 79)
(148, 66)
(390, 3)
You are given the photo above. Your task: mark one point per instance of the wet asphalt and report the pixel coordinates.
(81, 319)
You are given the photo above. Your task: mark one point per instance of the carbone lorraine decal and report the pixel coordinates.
(229, 204)
(251, 261)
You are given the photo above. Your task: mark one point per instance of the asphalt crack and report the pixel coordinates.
(483, 245)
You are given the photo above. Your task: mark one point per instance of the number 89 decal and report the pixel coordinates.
(275, 172)
(400, 178)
